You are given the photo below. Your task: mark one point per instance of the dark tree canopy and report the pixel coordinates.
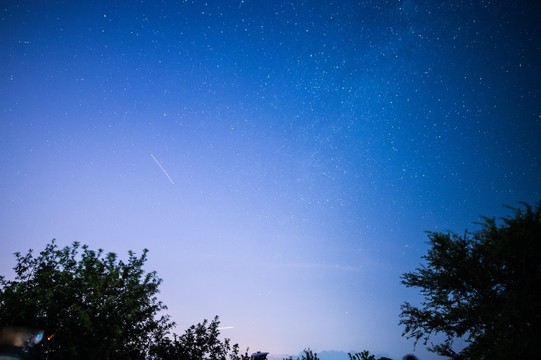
(484, 288)
(308, 354)
(90, 304)
(199, 342)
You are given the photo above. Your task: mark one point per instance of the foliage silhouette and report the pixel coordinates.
(93, 306)
(363, 355)
(199, 342)
(308, 355)
(90, 304)
(483, 287)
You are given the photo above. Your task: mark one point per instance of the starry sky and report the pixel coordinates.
(281, 160)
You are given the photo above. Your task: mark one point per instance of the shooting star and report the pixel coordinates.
(161, 167)
(225, 327)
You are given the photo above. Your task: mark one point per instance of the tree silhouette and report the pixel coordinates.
(483, 287)
(308, 355)
(199, 342)
(90, 304)
(363, 355)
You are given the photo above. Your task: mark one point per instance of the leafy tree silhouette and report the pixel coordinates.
(199, 342)
(90, 304)
(93, 306)
(308, 355)
(483, 287)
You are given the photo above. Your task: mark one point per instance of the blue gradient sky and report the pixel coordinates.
(310, 144)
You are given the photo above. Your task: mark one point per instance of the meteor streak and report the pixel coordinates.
(161, 167)
(225, 327)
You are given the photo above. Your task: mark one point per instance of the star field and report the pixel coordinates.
(280, 160)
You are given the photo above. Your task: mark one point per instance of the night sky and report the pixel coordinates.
(281, 160)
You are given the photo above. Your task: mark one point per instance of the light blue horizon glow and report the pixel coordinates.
(309, 147)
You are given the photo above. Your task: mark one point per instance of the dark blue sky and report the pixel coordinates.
(309, 145)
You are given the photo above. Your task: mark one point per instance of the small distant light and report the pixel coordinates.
(38, 338)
